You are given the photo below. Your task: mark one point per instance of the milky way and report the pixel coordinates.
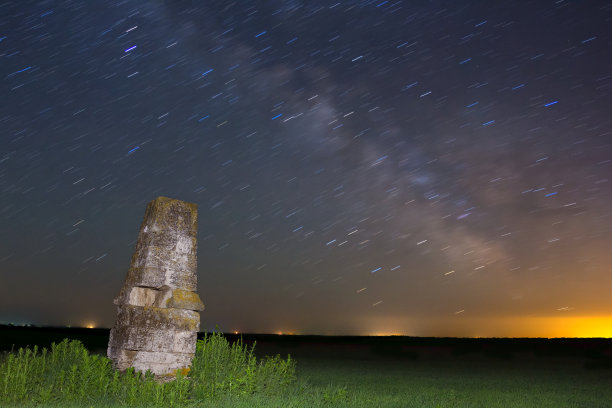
(359, 166)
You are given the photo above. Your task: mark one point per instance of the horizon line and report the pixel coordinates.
(292, 334)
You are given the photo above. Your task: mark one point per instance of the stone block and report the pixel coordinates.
(157, 318)
(160, 363)
(144, 339)
(155, 270)
(165, 297)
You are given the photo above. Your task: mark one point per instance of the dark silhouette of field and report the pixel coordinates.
(593, 353)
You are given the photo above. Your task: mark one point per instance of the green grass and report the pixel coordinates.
(68, 374)
(229, 375)
(469, 382)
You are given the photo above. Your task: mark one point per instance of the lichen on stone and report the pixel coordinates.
(184, 299)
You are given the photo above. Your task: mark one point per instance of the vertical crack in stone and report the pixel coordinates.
(157, 307)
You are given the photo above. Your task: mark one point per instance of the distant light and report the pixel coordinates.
(90, 326)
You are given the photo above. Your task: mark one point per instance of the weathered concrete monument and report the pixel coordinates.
(157, 308)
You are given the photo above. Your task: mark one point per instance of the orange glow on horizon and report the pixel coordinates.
(509, 327)
(589, 327)
(564, 326)
(282, 333)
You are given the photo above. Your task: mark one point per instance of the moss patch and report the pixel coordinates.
(184, 299)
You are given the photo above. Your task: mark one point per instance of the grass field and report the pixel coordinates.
(465, 382)
(345, 374)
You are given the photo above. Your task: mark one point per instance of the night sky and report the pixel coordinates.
(427, 168)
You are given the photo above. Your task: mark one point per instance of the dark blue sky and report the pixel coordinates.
(426, 168)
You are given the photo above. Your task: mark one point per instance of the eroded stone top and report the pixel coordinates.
(168, 214)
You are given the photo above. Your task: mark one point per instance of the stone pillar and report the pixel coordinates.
(157, 308)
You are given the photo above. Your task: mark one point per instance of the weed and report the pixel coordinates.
(68, 374)
(219, 368)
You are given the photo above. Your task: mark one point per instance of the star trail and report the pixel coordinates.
(427, 168)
